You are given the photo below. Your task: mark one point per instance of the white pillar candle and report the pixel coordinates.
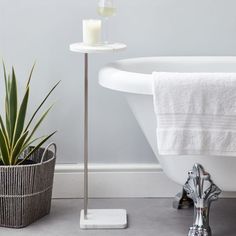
(92, 31)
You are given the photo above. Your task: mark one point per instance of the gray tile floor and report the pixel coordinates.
(147, 217)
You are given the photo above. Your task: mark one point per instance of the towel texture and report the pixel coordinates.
(196, 113)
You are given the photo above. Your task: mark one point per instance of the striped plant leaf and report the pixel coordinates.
(5, 77)
(38, 123)
(36, 147)
(4, 131)
(4, 149)
(27, 145)
(30, 76)
(17, 149)
(6, 101)
(13, 103)
(41, 104)
(19, 126)
(8, 126)
(30, 142)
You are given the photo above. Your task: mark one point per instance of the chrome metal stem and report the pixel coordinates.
(201, 189)
(85, 135)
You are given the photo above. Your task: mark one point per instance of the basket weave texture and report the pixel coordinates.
(26, 190)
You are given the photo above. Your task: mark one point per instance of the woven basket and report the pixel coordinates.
(26, 190)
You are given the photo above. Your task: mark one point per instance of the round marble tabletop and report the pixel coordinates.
(100, 48)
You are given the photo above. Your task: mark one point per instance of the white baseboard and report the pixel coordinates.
(115, 181)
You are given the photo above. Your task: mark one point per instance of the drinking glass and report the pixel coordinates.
(106, 9)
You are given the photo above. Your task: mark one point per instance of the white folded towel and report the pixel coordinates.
(196, 113)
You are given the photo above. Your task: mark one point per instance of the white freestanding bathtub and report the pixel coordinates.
(133, 77)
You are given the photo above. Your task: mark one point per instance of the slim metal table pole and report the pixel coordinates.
(98, 218)
(85, 135)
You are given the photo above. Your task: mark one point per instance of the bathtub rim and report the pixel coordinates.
(111, 76)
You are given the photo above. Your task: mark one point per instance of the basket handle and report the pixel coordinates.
(46, 149)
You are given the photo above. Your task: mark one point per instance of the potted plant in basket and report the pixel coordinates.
(26, 171)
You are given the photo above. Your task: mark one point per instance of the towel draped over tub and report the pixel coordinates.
(196, 113)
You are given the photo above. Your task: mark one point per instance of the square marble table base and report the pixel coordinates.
(104, 219)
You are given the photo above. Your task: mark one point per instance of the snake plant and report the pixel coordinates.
(17, 134)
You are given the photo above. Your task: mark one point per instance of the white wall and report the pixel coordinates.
(43, 30)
